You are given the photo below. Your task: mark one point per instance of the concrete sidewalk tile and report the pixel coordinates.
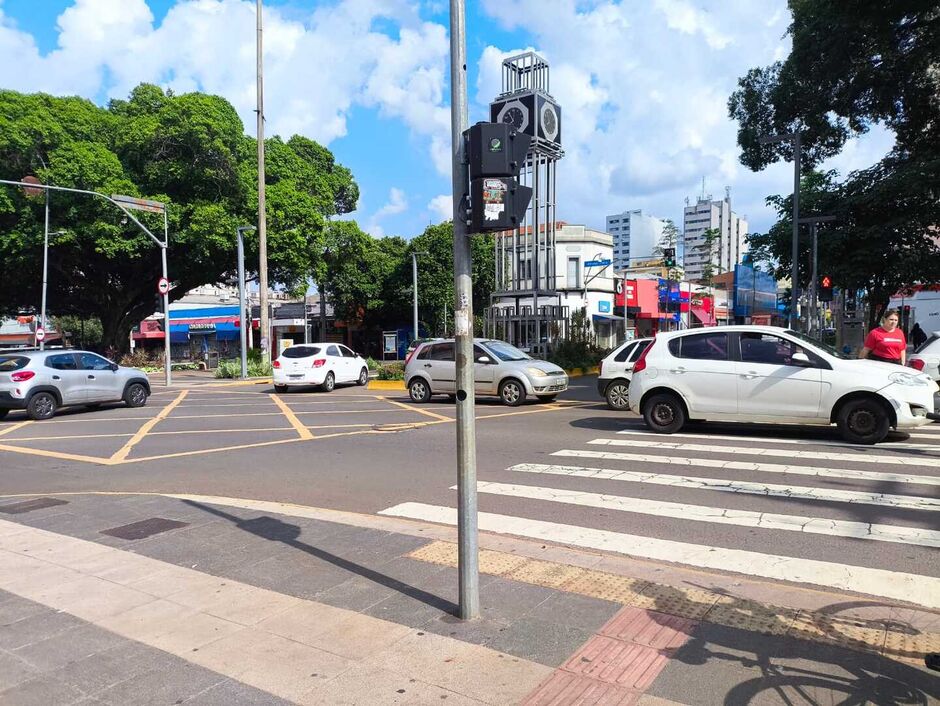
(538, 640)
(117, 566)
(170, 683)
(100, 599)
(564, 688)
(357, 593)
(17, 609)
(41, 691)
(233, 693)
(649, 700)
(68, 646)
(105, 669)
(25, 574)
(239, 603)
(35, 628)
(8, 529)
(14, 670)
(192, 631)
(64, 550)
(579, 611)
(168, 580)
(458, 666)
(146, 621)
(368, 684)
(617, 662)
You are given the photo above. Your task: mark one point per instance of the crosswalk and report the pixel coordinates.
(790, 507)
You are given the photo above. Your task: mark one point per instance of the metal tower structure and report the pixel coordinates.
(526, 309)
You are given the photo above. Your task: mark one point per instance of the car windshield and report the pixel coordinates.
(928, 343)
(506, 352)
(9, 363)
(300, 351)
(819, 346)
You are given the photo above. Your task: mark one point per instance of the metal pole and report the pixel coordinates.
(467, 551)
(243, 331)
(322, 293)
(795, 286)
(414, 287)
(167, 357)
(262, 219)
(45, 271)
(814, 295)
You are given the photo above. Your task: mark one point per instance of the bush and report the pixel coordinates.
(232, 368)
(373, 363)
(141, 358)
(571, 355)
(392, 371)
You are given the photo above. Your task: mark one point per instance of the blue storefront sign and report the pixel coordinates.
(604, 307)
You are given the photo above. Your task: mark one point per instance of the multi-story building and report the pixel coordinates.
(635, 236)
(727, 249)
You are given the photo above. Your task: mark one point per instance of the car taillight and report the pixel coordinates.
(22, 376)
(276, 364)
(640, 364)
(410, 353)
(319, 362)
(917, 364)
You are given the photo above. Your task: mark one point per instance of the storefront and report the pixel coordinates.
(204, 335)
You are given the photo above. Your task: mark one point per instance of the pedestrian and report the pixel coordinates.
(917, 336)
(886, 343)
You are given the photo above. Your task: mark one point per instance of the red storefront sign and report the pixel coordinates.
(626, 293)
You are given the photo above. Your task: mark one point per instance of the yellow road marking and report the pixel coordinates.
(292, 418)
(153, 433)
(13, 427)
(210, 451)
(68, 436)
(418, 410)
(121, 453)
(55, 454)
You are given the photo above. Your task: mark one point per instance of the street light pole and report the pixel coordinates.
(45, 271)
(814, 221)
(262, 218)
(414, 287)
(242, 330)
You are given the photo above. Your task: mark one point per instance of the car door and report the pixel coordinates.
(702, 370)
(101, 382)
(334, 362)
(443, 368)
(484, 374)
(770, 383)
(351, 363)
(621, 364)
(67, 378)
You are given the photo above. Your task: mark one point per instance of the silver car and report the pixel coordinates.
(499, 369)
(42, 381)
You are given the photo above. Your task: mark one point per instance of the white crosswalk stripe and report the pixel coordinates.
(923, 590)
(887, 446)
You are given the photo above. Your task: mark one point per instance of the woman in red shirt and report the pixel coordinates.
(887, 342)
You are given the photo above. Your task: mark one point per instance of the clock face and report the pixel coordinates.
(514, 117)
(514, 113)
(549, 121)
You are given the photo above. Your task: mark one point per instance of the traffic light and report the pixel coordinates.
(496, 153)
(669, 257)
(157, 303)
(825, 288)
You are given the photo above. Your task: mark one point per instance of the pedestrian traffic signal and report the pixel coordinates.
(496, 153)
(669, 257)
(825, 288)
(157, 303)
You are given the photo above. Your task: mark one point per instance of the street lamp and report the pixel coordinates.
(794, 138)
(243, 332)
(414, 280)
(45, 277)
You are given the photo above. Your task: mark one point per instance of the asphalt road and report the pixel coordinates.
(572, 472)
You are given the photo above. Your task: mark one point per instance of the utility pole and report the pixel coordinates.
(414, 287)
(468, 567)
(45, 271)
(262, 218)
(242, 330)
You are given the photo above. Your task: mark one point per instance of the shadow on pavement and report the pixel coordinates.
(276, 530)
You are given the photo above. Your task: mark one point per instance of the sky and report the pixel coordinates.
(643, 85)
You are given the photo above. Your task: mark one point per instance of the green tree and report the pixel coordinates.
(189, 151)
(669, 240)
(710, 249)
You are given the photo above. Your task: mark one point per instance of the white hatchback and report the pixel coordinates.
(613, 379)
(321, 364)
(926, 357)
(772, 375)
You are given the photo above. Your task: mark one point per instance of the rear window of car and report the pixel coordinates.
(300, 351)
(442, 351)
(928, 343)
(624, 355)
(9, 363)
(702, 346)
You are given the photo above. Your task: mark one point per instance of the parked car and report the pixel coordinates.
(499, 369)
(767, 374)
(926, 357)
(613, 380)
(413, 346)
(321, 364)
(43, 381)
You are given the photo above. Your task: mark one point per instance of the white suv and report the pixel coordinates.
(767, 374)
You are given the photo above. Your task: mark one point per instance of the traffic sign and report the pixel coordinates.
(163, 285)
(40, 334)
(139, 204)
(597, 263)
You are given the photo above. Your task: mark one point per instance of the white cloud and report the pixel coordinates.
(441, 207)
(397, 203)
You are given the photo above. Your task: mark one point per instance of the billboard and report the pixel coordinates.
(755, 292)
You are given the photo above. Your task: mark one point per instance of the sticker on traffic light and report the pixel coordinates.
(825, 288)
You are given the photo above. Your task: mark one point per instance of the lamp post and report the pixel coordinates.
(242, 330)
(794, 138)
(414, 287)
(45, 271)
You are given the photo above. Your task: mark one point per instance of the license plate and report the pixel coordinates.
(295, 377)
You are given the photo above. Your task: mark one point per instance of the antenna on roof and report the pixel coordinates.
(703, 187)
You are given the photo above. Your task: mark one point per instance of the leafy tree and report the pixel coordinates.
(187, 150)
(85, 333)
(669, 240)
(709, 248)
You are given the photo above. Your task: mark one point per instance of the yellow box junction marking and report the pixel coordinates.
(13, 427)
(303, 432)
(121, 453)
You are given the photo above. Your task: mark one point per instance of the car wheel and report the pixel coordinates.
(135, 395)
(452, 398)
(547, 398)
(4, 413)
(512, 393)
(618, 395)
(664, 413)
(863, 422)
(329, 383)
(280, 389)
(363, 377)
(42, 405)
(419, 390)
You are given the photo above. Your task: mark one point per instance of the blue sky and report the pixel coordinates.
(643, 86)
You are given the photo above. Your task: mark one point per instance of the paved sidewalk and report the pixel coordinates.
(124, 599)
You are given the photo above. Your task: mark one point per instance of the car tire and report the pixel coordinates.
(512, 393)
(280, 389)
(329, 382)
(618, 395)
(664, 413)
(419, 390)
(545, 399)
(135, 395)
(363, 377)
(4, 413)
(863, 422)
(452, 399)
(41, 406)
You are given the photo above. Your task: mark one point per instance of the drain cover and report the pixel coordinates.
(144, 528)
(30, 505)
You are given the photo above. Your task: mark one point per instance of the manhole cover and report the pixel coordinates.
(30, 505)
(144, 528)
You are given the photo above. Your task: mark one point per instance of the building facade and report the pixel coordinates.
(635, 236)
(726, 251)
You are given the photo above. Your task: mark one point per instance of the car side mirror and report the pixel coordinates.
(483, 359)
(115, 367)
(801, 359)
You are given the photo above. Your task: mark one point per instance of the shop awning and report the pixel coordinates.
(608, 317)
(147, 335)
(179, 333)
(226, 331)
(706, 317)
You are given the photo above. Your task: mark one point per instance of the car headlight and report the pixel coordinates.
(537, 372)
(906, 379)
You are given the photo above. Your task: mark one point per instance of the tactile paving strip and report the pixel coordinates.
(695, 604)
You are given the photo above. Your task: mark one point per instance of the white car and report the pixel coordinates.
(613, 380)
(322, 364)
(772, 375)
(926, 357)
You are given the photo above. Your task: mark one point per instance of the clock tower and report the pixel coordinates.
(525, 308)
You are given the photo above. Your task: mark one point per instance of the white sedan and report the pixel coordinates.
(771, 375)
(926, 358)
(321, 364)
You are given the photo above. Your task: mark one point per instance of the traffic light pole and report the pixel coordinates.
(467, 549)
